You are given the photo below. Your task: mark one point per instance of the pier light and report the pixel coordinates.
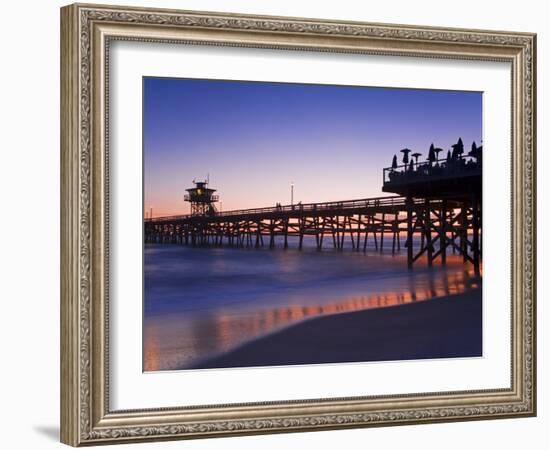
(406, 152)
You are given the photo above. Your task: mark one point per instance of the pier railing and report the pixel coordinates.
(425, 170)
(203, 197)
(346, 205)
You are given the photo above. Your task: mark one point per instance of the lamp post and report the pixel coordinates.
(291, 193)
(151, 213)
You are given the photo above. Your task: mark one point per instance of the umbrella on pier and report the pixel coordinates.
(437, 151)
(458, 149)
(406, 152)
(394, 162)
(431, 154)
(415, 156)
(475, 151)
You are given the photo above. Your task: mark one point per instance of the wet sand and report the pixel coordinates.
(444, 327)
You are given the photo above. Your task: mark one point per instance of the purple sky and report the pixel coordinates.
(254, 139)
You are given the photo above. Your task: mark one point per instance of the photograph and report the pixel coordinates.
(271, 222)
(297, 224)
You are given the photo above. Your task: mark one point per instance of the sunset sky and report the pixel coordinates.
(254, 139)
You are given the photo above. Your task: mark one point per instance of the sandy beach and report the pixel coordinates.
(443, 327)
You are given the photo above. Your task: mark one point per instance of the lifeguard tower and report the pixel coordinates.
(202, 199)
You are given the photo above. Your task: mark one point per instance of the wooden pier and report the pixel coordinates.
(390, 223)
(437, 210)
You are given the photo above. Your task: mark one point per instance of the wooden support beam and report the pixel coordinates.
(394, 235)
(322, 232)
(382, 232)
(464, 232)
(452, 219)
(374, 234)
(351, 234)
(475, 238)
(286, 232)
(367, 225)
(300, 246)
(343, 234)
(359, 223)
(427, 227)
(338, 232)
(443, 232)
(409, 233)
(271, 234)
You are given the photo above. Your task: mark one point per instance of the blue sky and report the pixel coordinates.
(255, 138)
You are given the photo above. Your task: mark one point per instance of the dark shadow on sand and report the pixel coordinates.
(446, 327)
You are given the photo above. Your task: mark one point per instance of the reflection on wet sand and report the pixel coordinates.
(179, 340)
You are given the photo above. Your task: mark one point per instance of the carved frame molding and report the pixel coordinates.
(86, 32)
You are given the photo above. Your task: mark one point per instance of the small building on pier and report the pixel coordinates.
(202, 199)
(445, 202)
(455, 177)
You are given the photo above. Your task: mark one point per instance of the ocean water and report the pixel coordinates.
(203, 302)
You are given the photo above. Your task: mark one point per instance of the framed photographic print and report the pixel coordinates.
(274, 224)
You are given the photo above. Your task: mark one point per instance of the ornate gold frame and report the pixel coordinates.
(86, 31)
